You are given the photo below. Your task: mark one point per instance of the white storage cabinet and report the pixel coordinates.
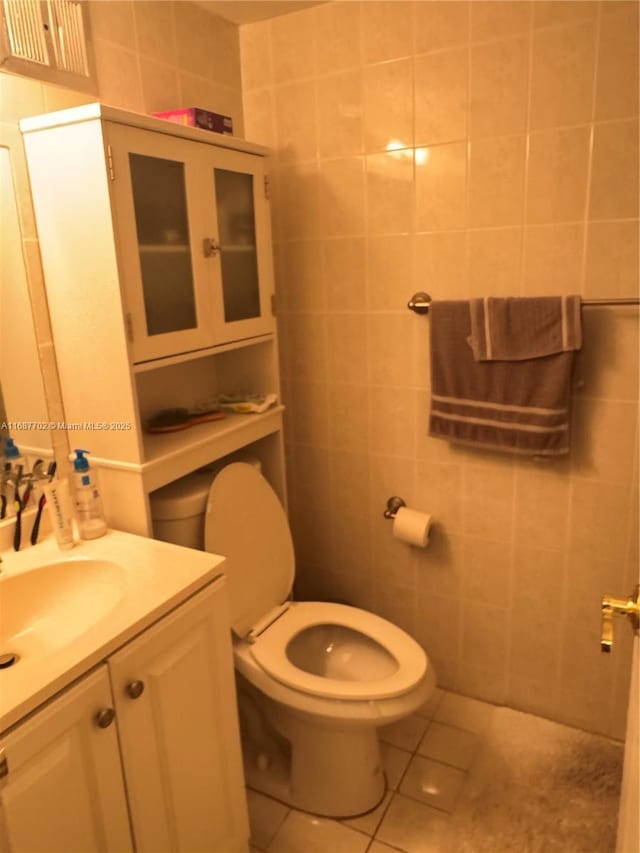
(156, 248)
(192, 240)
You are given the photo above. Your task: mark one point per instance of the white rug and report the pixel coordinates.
(538, 787)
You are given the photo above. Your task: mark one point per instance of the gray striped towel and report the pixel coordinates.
(520, 405)
(514, 329)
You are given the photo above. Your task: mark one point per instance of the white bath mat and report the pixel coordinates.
(538, 787)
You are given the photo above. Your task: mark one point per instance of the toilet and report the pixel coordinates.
(315, 679)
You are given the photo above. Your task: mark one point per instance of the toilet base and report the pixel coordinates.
(298, 759)
(347, 779)
(271, 787)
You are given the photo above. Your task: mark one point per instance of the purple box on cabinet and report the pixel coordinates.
(196, 117)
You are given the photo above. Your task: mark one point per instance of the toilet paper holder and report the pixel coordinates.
(393, 505)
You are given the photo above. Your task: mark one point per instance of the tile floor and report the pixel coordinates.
(425, 756)
(427, 759)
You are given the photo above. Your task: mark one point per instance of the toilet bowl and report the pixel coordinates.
(315, 680)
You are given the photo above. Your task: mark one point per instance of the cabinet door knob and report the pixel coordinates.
(135, 689)
(210, 247)
(104, 718)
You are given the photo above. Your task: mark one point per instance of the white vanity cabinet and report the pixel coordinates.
(61, 785)
(173, 743)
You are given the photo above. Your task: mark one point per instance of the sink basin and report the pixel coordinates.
(46, 608)
(63, 613)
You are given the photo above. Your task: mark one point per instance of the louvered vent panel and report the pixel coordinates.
(25, 29)
(67, 33)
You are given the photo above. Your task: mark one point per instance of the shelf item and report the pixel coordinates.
(175, 420)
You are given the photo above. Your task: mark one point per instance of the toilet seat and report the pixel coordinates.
(270, 652)
(353, 712)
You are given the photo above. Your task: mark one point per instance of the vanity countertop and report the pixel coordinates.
(63, 612)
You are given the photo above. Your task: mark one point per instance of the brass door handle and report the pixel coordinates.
(610, 606)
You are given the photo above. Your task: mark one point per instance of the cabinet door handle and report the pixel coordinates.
(135, 689)
(210, 247)
(104, 718)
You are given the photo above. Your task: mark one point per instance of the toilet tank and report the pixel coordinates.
(177, 509)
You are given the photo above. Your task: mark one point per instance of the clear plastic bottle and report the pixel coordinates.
(59, 504)
(89, 514)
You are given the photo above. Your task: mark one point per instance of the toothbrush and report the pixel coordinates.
(35, 471)
(18, 507)
(3, 490)
(3, 497)
(51, 470)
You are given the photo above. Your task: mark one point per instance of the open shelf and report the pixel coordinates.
(174, 454)
(154, 364)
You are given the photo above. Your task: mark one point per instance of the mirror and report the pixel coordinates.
(23, 408)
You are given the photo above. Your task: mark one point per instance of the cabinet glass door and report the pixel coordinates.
(238, 250)
(162, 225)
(243, 244)
(159, 221)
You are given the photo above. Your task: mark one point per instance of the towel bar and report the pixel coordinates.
(420, 302)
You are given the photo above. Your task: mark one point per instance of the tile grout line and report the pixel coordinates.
(396, 791)
(373, 836)
(279, 825)
(415, 753)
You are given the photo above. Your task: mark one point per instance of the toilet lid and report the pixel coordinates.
(245, 523)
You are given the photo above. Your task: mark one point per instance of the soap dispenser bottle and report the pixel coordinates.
(90, 517)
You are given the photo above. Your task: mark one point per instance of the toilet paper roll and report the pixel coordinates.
(412, 526)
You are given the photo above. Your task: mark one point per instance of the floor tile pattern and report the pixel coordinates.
(447, 767)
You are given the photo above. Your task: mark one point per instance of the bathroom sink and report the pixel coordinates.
(62, 613)
(48, 607)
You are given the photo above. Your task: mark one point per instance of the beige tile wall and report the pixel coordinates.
(155, 55)
(463, 149)
(150, 56)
